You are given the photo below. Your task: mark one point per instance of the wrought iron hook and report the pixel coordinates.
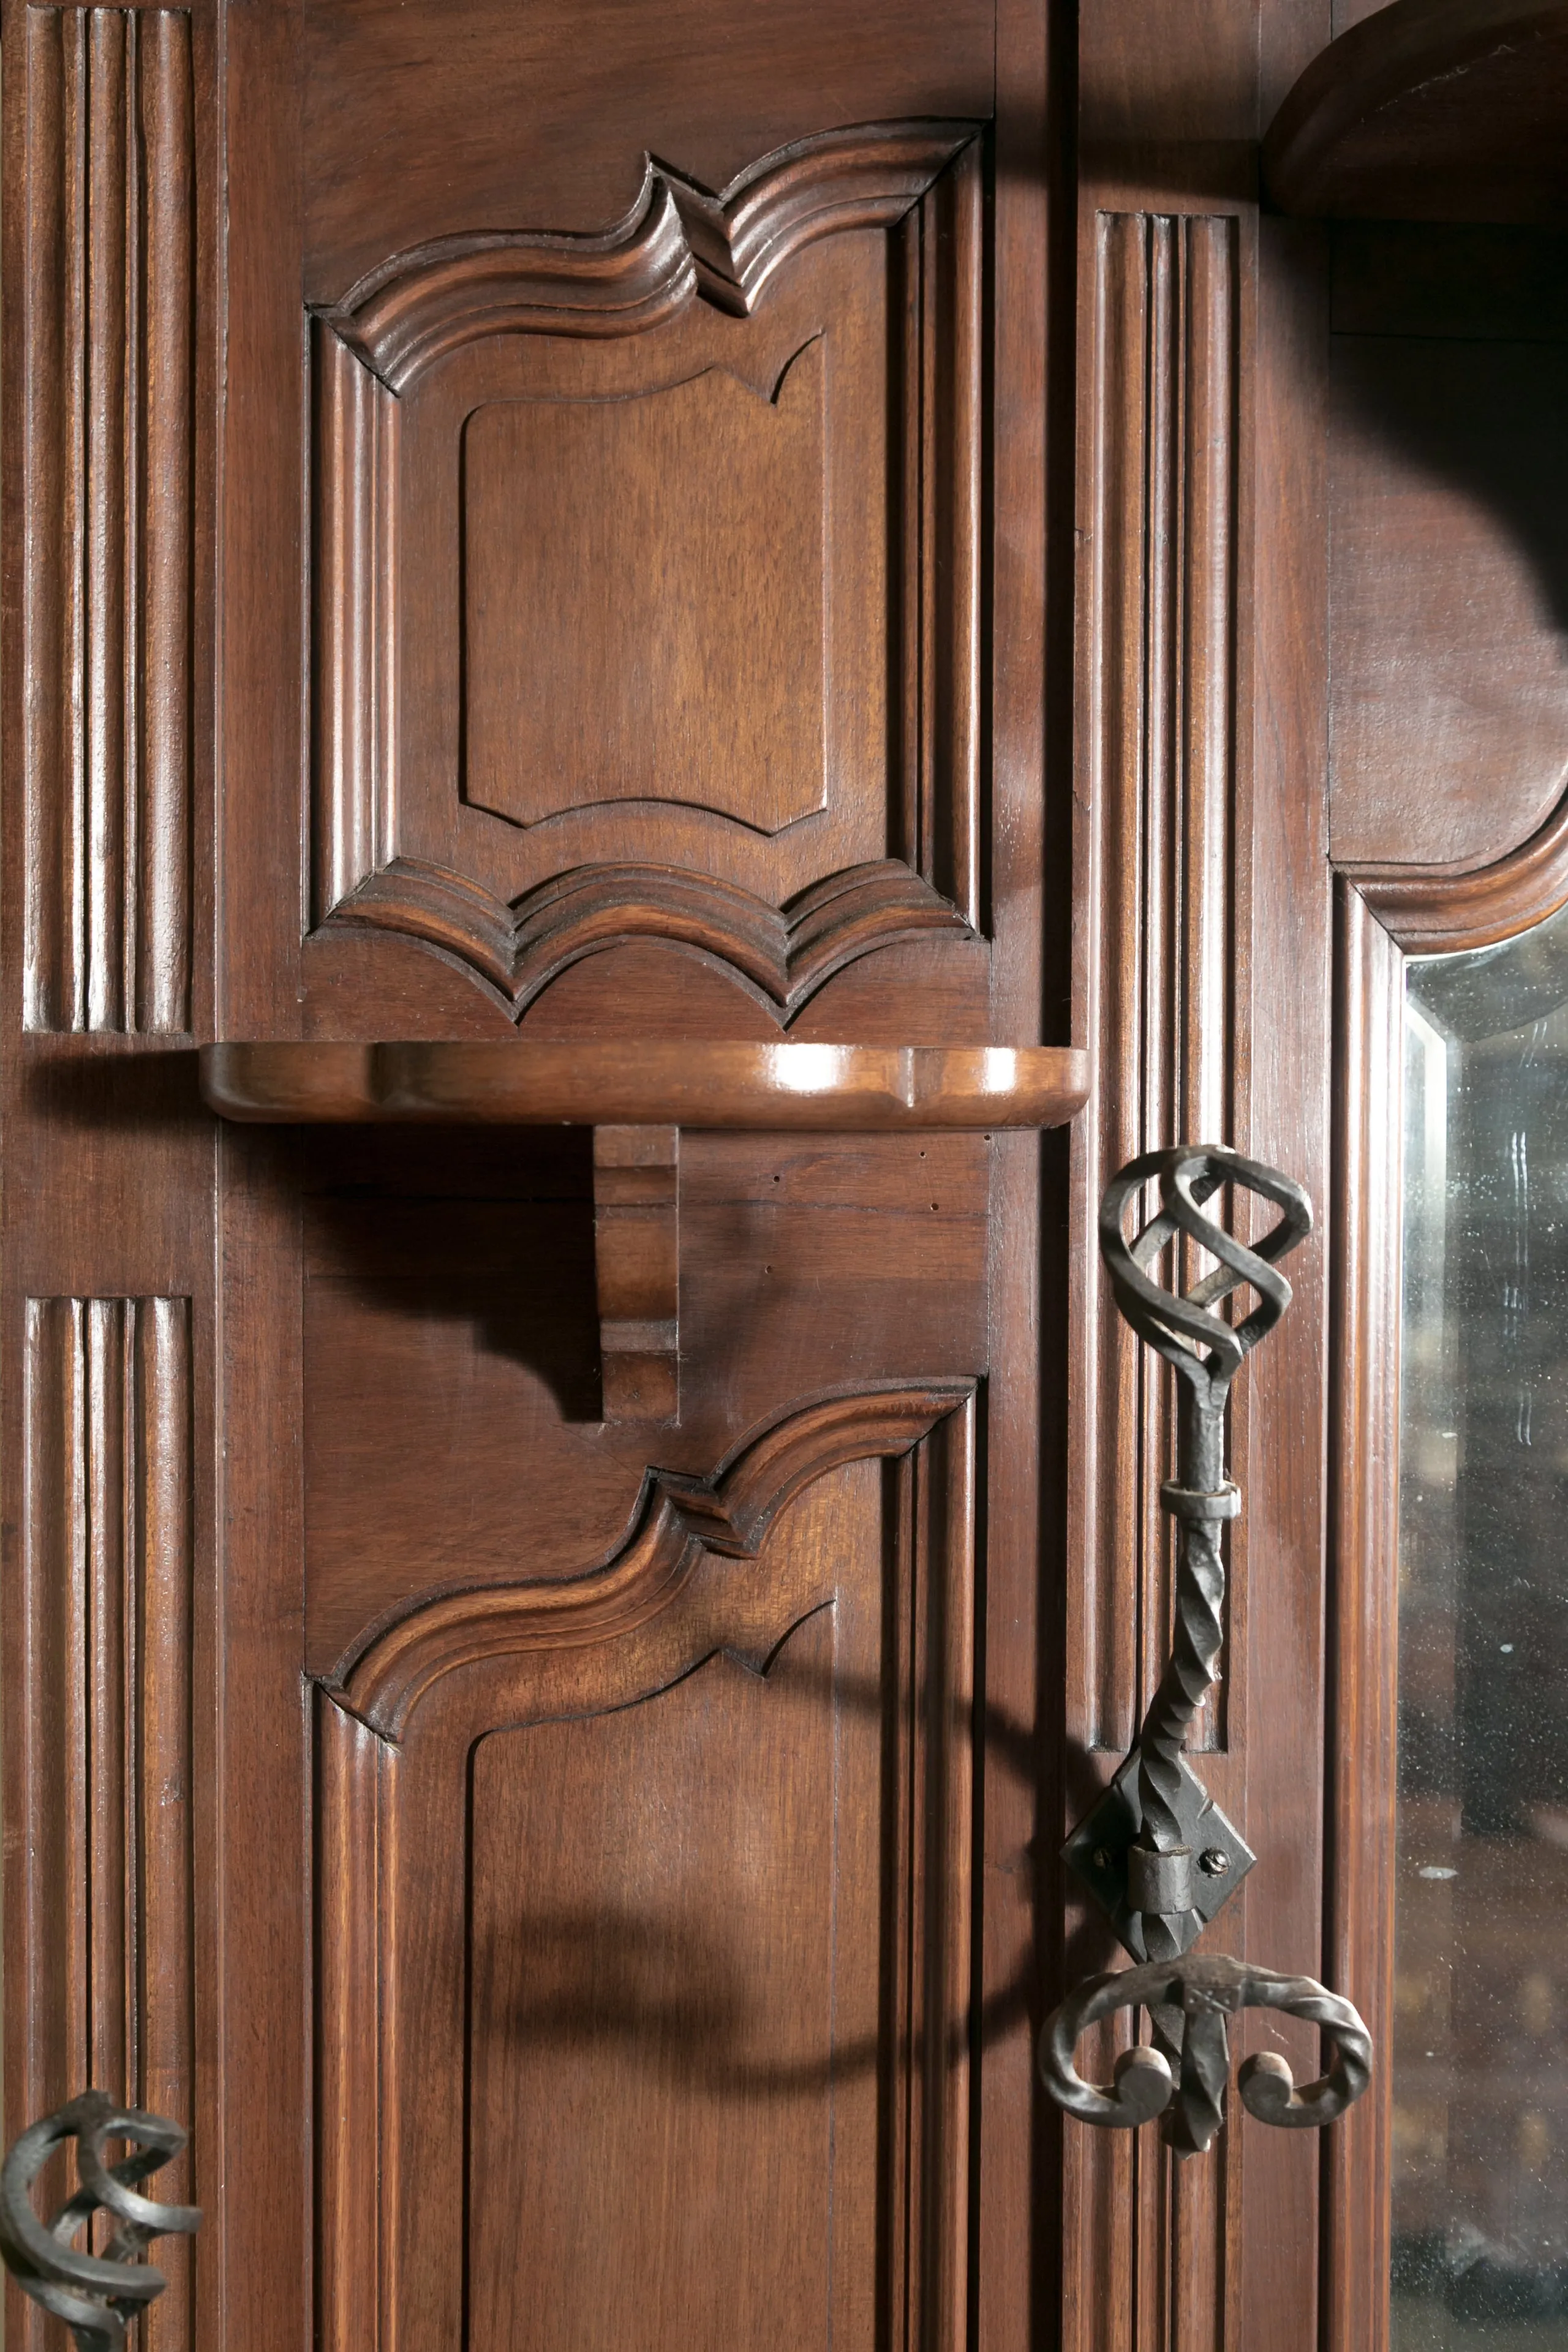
(1156, 1851)
(1204, 1991)
(95, 2295)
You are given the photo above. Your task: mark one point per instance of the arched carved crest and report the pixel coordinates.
(678, 1522)
(679, 239)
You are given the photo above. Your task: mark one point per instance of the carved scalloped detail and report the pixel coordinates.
(679, 239)
(678, 1522)
(1440, 910)
(780, 958)
(864, 177)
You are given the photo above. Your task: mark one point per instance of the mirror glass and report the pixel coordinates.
(1480, 2058)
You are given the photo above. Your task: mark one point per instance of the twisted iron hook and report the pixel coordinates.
(1206, 1352)
(95, 2295)
(1182, 2078)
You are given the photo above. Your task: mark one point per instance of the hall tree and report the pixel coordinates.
(568, 1571)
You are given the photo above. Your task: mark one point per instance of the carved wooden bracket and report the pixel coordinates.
(637, 1243)
(636, 1094)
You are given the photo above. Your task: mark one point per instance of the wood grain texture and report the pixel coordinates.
(103, 1878)
(678, 1520)
(429, 1445)
(1430, 109)
(1272, 2256)
(108, 505)
(1449, 683)
(780, 957)
(680, 240)
(406, 143)
(637, 1263)
(586, 555)
(1228, 2255)
(451, 1333)
(1159, 746)
(625, 1977)
(941, 283)
(592, 1083)
(753, 542)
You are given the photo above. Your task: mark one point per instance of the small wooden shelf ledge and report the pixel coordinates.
(1431, 110)
(853, 1088)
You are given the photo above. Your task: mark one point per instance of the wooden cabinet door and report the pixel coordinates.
(527, 528)
(726, 578)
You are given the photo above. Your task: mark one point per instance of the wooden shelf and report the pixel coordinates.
(631, 1084)
(1431, 110)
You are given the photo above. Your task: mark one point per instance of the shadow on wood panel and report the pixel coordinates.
(660, 1988)
(469, 1227)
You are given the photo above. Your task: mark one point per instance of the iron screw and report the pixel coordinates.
(1213, 1862)
(1101, 1858)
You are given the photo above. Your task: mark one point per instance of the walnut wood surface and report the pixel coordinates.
(106, 1530)
(1431, 110)
(583, 1879)
(636, 1265)
(109, 291)
(796, 692)
(1447, 684)
(593, 1083)
(791, 1732)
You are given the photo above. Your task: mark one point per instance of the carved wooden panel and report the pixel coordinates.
(102, 1666)
(407, 139)
(648, 578)
(452, 1341)
(109, 492)
(646, 1919)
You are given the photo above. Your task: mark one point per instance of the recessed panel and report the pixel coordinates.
(674, 2031)
(649, 571)
(643, 600)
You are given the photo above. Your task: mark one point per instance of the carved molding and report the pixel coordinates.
(109, 295)
(355, 1822)
(1361, 1744)
(679, 239)
(1439, 910)
(1159, 523)
(678, 1521)
(779, 957)
(367, 870)
(101, 1670)
(394, 1822)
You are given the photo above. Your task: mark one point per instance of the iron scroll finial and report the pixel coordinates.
(1156, 1852)
(1204, 1991)
(95, 2295)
